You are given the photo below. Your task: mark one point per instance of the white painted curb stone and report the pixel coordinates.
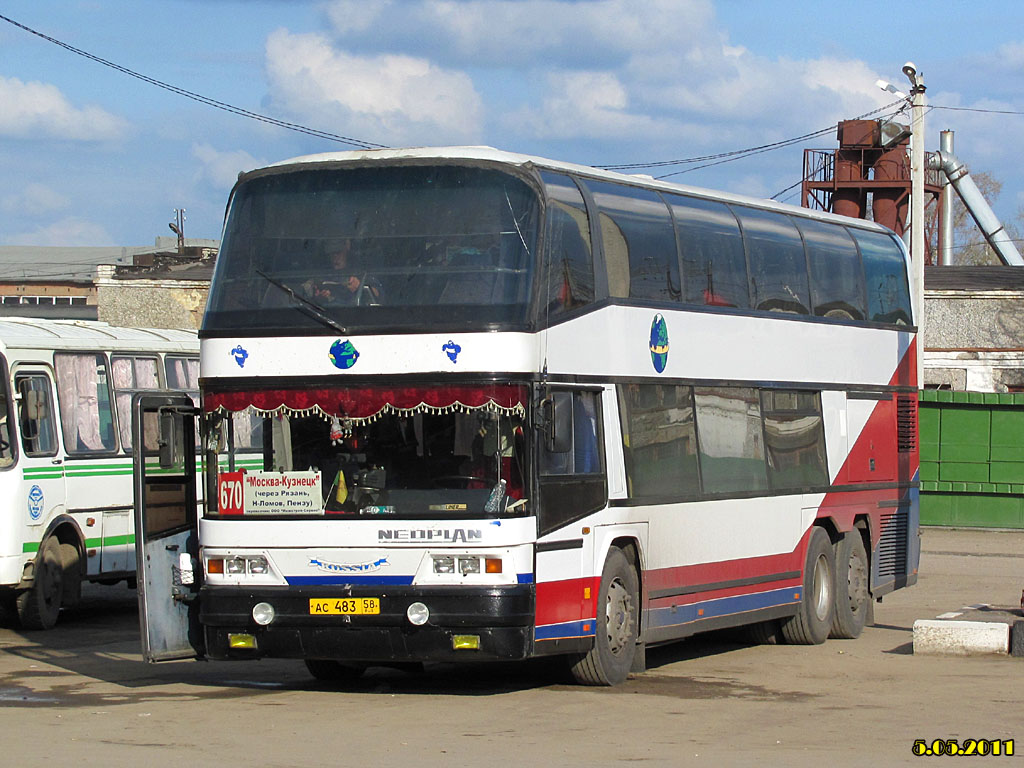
(960, 638)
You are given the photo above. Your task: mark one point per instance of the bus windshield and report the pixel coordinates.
(357, 248)
(404, 452)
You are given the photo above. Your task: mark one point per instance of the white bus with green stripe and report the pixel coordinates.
(66, 453)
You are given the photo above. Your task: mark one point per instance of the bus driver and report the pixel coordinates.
(340, 285)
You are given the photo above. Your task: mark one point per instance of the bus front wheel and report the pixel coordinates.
(813, 619)
(618, 614)
(39, 605)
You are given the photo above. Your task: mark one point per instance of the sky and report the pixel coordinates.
(92, 156)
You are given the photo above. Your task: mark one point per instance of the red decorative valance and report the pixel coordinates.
(368, 403)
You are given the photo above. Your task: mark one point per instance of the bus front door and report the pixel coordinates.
(166, 527)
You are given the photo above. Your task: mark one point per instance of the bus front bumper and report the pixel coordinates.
(465, 624)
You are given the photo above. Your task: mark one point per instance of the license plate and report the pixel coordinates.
(348, 606)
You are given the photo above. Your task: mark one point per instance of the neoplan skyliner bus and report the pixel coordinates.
(507, 407)
(66, 453)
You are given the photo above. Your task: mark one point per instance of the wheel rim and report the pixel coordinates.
(618, 615)
(822, 588)
(857, 582)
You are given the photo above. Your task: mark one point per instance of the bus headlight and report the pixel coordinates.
(469, 565)
(418, 614)
(444, 564)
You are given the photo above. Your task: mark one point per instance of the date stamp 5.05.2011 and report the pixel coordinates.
(963, 747)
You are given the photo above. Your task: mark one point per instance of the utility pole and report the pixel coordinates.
(917, 242)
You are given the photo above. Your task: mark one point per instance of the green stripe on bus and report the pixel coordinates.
(30, 547)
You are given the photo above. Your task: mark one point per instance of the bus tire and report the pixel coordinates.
(852, 596)
(39, 605)
(618, 621)
(71, 562)
(333, 671)
(813, 620)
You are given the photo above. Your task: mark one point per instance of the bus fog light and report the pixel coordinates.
(263, 613)
(417, 613)
(444, 564)
(469, 565)
(236, 566)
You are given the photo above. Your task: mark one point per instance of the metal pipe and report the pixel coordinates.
(978, 207)
(946, 213)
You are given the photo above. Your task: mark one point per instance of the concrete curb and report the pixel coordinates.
(960, 638)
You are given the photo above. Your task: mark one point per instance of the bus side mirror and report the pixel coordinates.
(558, 409)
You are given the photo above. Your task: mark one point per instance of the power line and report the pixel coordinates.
(977, 109)
(736, 154)
(198, 97)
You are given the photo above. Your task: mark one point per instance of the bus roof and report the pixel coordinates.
(40, 333)
(490, 154)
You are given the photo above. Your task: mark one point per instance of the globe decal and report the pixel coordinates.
(343, 355)
(659, 343)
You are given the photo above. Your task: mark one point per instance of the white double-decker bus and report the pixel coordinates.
(460, 404)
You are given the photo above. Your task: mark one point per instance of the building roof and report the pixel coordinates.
(990, 278)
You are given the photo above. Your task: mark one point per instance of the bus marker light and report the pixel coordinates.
(215, 565)
(263, 613)
(586, 593)
(492, 565)
(241, 640)
(418, 614)
(466, 642)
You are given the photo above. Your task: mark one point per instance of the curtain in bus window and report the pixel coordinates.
(640, 224)
(794, 439)
(885, 277)
(131, 375)
(837, 284)
(778, 266)
(182, 372)
(568, 261)
(714, 265)
(730, 440)
(85, 412)
(659, 440)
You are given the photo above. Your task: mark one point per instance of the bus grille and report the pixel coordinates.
(906, 423)
(892, 547)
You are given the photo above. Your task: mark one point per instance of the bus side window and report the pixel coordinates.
(568, 258)
(87, 414)
(36, 415)
(581, 453)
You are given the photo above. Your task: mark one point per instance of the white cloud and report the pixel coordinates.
(68, 231)
(34, 200)
(221, 169)
(39, 110)
(381, 98)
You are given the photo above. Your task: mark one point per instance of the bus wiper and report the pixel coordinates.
(304, 305)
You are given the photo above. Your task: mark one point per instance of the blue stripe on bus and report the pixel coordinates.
(522, 578)
(566, 629)
(334, 580)
(724, 606)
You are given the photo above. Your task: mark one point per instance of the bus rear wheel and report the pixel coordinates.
(39, 605)
(853, 600)
(618, 621)
(813, 620)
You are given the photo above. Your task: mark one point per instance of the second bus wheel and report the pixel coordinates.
(618, 621)
(853, 600)
(813, 619)
(39, 605)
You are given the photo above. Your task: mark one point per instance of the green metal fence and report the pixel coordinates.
(972, 459)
